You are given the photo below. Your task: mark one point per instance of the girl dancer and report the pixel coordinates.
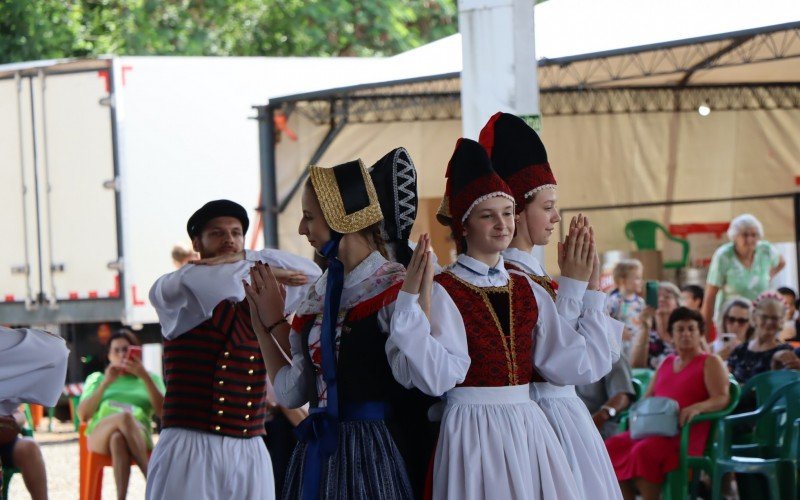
(487, 332)
(337, 345)
(519, 157)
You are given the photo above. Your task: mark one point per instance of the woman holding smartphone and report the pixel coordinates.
(118, 405)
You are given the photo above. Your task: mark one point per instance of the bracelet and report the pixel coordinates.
(274, 325)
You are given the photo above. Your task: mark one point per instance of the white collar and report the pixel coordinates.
(362, 271)
(526, 259)
(480, 268)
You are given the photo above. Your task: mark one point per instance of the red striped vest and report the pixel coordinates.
(499, 357)
(215, 376)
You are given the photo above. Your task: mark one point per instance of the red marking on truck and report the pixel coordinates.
(92, 294)
(9, 298)
(103, 73)
(115, 292)
(73, 295)
(136, 300)
(125, 70)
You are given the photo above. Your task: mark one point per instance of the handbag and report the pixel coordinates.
(654, 416)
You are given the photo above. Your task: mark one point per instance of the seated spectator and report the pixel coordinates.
(792, 320)
(756, 356)
(119, 405)
(642, 464)
(625, 304)
(653, 342)
(24, 454)
(735, 325)
(33, 364)
(692, 297)
(607, 397)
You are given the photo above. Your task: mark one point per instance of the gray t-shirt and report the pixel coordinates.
(595, 395)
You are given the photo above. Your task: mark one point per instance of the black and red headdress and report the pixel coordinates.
(518, 156)
(470, 180)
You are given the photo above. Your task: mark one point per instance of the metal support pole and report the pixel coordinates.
(269, 191)
(797, 232)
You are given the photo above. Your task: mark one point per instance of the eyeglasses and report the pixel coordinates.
(739, 321)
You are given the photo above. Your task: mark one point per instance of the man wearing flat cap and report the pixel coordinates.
(215, 404)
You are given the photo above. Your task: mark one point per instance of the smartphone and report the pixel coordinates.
(727, 337)
(651, 294)
(134, 351)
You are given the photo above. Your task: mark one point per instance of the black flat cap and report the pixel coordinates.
(213, 209)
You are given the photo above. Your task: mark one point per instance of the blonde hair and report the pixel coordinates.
(625, 267)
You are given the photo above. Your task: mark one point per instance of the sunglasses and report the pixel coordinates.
(740, 321)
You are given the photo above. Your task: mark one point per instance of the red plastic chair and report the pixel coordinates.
(91, 468)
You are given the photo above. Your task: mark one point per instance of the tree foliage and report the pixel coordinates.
(45, 29)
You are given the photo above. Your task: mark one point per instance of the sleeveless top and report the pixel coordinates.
(687, 388)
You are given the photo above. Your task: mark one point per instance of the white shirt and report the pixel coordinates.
(33, 366)
(362, 283)
(568, 298)
(185, 298)
(433, 355)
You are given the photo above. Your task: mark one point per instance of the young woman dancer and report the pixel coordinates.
(488, 331)
(337, 343)
(519, 157)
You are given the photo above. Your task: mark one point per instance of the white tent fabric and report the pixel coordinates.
(633, 157)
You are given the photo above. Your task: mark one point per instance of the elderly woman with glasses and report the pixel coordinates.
(765, 351)
(742, 267)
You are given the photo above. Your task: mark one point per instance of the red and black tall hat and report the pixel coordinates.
(470, 180)
(518, 156)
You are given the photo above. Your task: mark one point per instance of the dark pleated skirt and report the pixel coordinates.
(366, 466)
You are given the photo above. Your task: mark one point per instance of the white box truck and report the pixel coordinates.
(103, 161)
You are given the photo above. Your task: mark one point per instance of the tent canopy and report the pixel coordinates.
(621, 82)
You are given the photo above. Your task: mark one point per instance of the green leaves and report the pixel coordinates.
(47, 29)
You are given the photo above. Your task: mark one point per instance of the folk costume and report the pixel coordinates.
(489, 333)
(339, 361)
(519, 157)
(215, 401)
(395, 180)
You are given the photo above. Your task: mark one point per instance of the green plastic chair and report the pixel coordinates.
(643, 375)
(643, 233)
(10, 471)
(676, 484)
(765, 432)
(779, 469)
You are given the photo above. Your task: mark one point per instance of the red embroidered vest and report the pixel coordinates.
(500, 341)
(215, 376)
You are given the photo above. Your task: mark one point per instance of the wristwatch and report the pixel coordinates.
(612, 412)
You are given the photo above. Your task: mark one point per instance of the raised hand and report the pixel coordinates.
(426, 286)
(134, 366)
(594, 279)
(264, 294)
(416, 266)
(573, 223)
(578, 256)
